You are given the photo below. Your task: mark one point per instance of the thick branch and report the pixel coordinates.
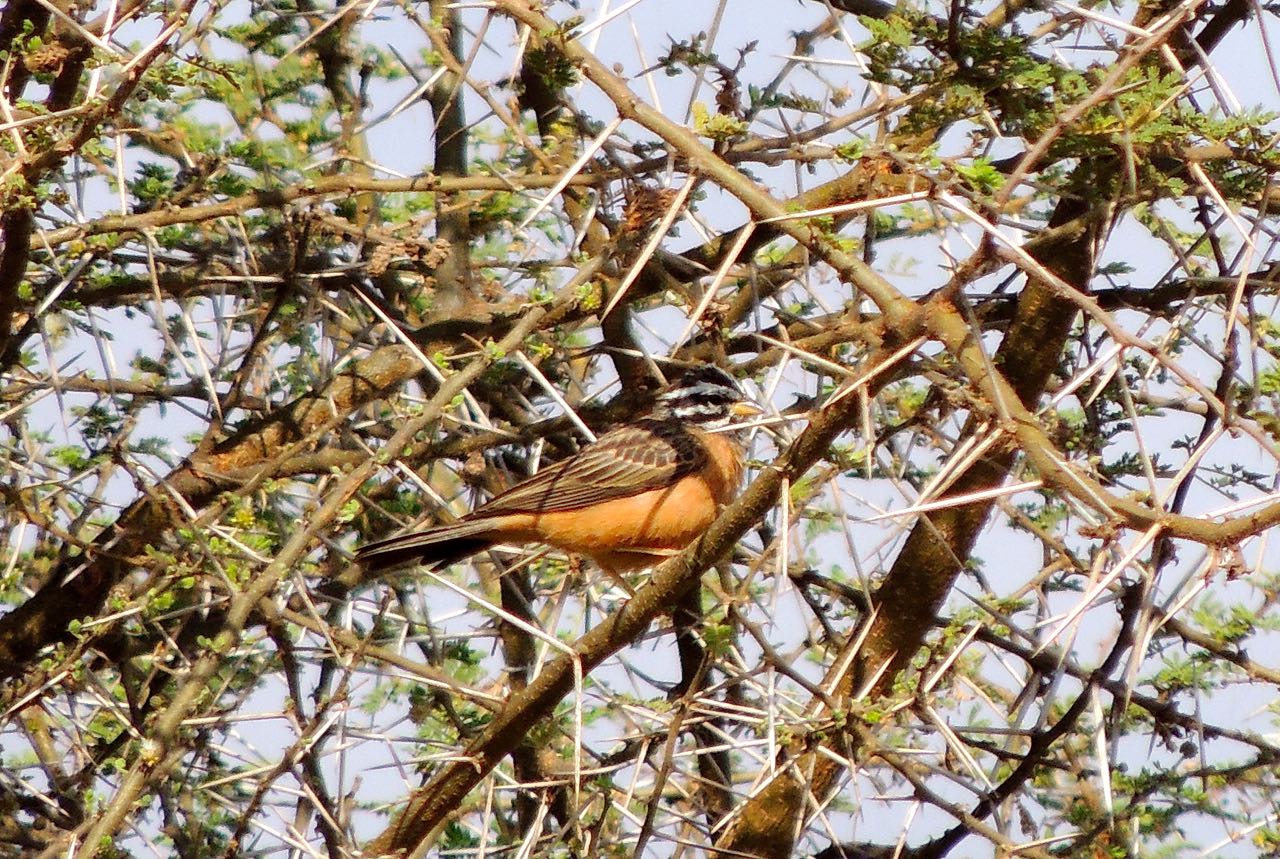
(79, 585)
(432, 803)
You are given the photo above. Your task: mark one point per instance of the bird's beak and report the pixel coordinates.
(745, 410)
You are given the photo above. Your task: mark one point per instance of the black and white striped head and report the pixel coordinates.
(705, 396)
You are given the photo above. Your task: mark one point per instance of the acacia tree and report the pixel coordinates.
(281, 279)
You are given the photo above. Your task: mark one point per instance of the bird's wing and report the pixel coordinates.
(623, 462)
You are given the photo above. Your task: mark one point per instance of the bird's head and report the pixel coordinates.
(705, 396)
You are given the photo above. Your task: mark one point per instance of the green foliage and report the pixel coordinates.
(153, 183)
(718, 126)
(688, 54)
(550, 65)
(982, 176)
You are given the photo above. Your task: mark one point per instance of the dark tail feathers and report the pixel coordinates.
(436, 547)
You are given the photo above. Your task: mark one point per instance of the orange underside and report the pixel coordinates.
(631, 533)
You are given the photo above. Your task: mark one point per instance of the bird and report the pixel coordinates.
(640, 493)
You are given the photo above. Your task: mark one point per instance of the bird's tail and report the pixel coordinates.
(436, 547)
